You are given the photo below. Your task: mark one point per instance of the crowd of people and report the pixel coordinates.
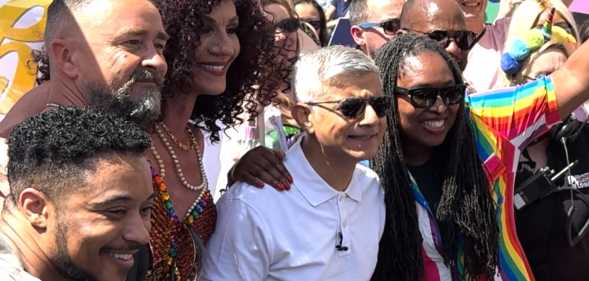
(225, 140)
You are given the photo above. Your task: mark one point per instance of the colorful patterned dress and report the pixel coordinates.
(176, 245)
(503, 121)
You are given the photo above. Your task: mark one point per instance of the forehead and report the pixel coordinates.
(425, 69)
(428, 16)
(111, 17)
(305, 9)
(125, 177)
(276, 12)
(352, 85)
(379, 10)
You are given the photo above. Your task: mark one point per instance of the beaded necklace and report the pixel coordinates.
(199, 205)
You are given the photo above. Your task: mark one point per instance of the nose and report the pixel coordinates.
(369, 118)
(221, 45)
(154, 59)
(439, 106)
(137, 230)
(454, 50)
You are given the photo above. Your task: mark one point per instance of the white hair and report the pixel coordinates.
(315, 68)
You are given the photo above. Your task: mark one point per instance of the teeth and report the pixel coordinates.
(123, 257)
(435, 124)
(213, 68)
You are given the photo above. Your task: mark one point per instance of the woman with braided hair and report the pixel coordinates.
(448, 163)
(429, 157)
(221, 58)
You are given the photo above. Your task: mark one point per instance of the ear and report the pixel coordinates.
(34, 205)
(300, 112)
(358, 35)
(62, 58)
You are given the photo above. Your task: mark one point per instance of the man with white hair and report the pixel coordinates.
(329, 226)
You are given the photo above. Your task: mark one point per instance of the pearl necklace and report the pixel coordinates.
(182, 146)
(201, 187)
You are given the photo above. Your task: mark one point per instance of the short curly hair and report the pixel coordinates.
(53, 150)
(252, 78)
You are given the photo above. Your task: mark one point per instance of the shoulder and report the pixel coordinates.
(243, 195)
(367, 175)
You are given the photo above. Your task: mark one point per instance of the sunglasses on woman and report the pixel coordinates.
(288, 25)
(464, 39)
(390, 26)
(425, 97)
(354, 107)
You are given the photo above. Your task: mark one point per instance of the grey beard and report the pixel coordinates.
(143, 110)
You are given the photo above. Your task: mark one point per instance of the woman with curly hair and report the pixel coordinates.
(220, 58)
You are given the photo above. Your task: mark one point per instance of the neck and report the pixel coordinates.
(18, 233)
(178, 110)
(475, 25)
(336, 170)
(416, 155)
(65, 92)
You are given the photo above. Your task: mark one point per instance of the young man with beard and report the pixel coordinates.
(80, 200)
(96, 46)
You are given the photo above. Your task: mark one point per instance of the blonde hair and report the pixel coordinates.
(525, 17)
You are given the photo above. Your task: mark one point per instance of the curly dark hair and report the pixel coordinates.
(54, 149)
(466, 209)
(251, 79)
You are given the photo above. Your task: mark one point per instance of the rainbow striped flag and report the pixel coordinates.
(505, 121)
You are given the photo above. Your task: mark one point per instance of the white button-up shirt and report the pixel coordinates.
(264, 234)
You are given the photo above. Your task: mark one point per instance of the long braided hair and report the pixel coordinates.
(466, 208)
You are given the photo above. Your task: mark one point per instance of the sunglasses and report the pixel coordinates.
(288, 25)
(314, 23)
(464, 39)
(425, 97)
(354, 107)
(390, 26)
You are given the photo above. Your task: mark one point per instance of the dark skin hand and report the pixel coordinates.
(261, 165)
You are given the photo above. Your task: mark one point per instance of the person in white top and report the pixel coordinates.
(329, 225)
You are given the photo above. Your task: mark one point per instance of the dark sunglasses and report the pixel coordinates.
(425, 97)
(390, 26)
(288, 25)
(355, 107)
(314, 23)
(464, 39)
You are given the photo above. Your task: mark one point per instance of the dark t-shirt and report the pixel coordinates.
(429, 180)
(541, 226)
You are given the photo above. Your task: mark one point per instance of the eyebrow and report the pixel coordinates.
(140, 32)
(117, 199)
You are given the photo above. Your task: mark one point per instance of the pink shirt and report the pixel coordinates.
(483, 70)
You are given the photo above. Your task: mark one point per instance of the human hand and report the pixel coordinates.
(261, 165)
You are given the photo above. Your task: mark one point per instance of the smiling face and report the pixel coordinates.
(98, 228)
(425, 127)
(217, 49)
(123, 39)
(474, 10)
(348, 139)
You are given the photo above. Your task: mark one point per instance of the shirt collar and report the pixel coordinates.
(313, 188)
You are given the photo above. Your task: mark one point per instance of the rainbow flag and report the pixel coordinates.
(504, 122)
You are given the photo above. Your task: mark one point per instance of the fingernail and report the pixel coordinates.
(287, 186)
(259, 184)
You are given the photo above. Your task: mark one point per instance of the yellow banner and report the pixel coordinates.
(22, 23)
